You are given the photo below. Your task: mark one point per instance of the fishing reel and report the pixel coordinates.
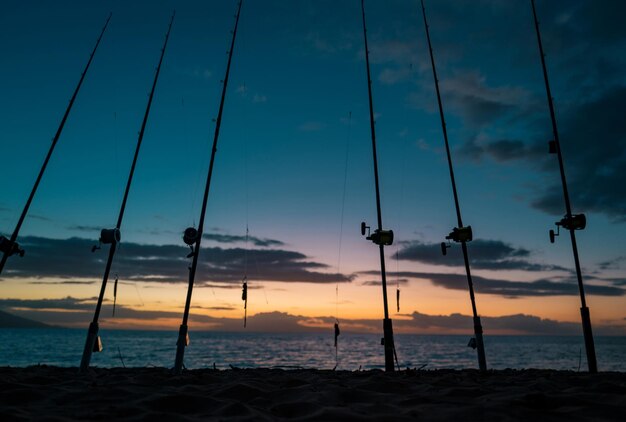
(10, 248)
(569, 222)
(379, 237)
(459, 235)
(107, 237)
(190, 237)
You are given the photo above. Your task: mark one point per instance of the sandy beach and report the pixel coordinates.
(52, 393)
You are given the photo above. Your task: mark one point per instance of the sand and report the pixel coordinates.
(51, 393)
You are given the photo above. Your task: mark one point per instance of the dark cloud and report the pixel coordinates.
(512, 289)
(85, 228)
(471, 97)
(612, 264)
(503, 150)
(216, 308)
(227, 238)
(594, 149)
(594, 152)
(377, 283)
(484, 255)
(72, 258)
(65, 304)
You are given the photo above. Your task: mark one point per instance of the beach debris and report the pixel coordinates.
(113, 236)
(460, 234)
(380, 237)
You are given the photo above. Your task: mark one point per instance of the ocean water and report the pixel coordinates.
(63, 347)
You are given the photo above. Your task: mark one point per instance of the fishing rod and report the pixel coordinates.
(571, 222)
(192, 236)
(113, 236)
(10, 247)
(380, 237)
(461, 234)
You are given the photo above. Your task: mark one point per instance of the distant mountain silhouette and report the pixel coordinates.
(8, 320)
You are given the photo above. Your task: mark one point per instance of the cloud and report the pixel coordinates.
(227, 238)
(512, 289)
(594, 149)
(484, 255)
(55, 311)
(339, 43)
(72, 259)
(85, 228)
(258, 98)
(468, 93)
(377, 283)
(311, 126)
(612, 264)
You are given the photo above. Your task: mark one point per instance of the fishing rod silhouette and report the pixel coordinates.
(570, 222)
(9, 246)
(380, 237)
(113, 236)
(192, 236)
(461, 234)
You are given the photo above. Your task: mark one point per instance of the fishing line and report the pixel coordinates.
(343, 206)
(138, 294)
(401, 208)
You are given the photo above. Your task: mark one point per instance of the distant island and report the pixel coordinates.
(8, 320)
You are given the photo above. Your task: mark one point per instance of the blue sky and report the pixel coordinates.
(297, 75)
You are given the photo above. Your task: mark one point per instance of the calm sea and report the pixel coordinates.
(63, 347)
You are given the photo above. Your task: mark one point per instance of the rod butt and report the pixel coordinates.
(92, 335)
(480, 345)
(181, 343)
(389, 345)
(590, 347)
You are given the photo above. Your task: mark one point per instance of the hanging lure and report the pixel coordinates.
(398, 298)
(244, 297)
(337, 332)
(115, 293)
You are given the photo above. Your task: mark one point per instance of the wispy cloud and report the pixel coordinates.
(311, 126)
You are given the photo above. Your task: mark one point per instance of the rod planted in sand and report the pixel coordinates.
(457, 232)
(380, 237)
(570, 222)
(9, 246)
(192, 236)
(113, 236)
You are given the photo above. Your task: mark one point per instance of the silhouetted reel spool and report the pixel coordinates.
(110, 236)
(190, 236)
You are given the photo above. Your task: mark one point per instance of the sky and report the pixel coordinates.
(294, 163)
